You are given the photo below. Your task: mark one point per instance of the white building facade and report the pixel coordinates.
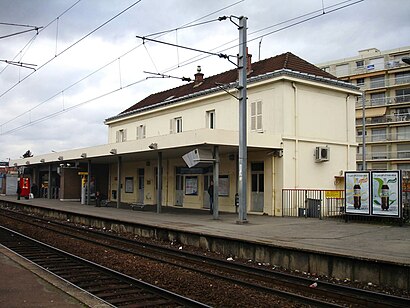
(300, 134)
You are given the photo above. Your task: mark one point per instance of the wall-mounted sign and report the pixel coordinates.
(357, 192)
(386, 193)
(129, 184)
(191, 185)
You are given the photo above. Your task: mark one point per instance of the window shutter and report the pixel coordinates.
(143, 131)
(117, 136)
(259, 115)
(253, 119)
(124, 136)
(171, 126)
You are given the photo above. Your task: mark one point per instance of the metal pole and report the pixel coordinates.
(119, 182)
(216, 183)
(49, 182)
(364, 131)
(159, 183)
(243, 160)
(88, 182)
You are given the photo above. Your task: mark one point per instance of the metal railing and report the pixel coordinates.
(384, 155)
(383, 101)
(384, 138)
(352, 69)
(312, 203)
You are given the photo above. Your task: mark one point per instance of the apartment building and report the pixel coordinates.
(383, 114)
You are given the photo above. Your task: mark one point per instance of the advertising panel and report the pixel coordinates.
(357, 192)
(386, 193)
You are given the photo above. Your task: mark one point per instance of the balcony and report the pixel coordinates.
(383, 101)
(384, 138)
(401, 155)
(369, 68)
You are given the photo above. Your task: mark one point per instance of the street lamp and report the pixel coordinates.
(406, 60)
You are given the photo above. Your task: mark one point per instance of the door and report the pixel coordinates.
(179, 190)
(140, 194)
(207, 182)
(258, 187)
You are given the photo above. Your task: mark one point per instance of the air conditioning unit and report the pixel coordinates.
(322, 154)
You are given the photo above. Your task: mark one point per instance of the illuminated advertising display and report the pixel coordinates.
(357, 192)
(386, 193)
(375, 193)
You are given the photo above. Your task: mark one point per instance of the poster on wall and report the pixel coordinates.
(357, 192)
(386, 193)
(223, 186)
(129, 184)
(191, 185)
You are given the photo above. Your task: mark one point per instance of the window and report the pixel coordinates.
(403, 133)
(176, 125)
(342, 70)
(256, 116)
(379, 152)
(379, 134)
(377, 99)
(379, 166)
(402, 95)
(360, 64)
(403, 77)
(403, 166)
(210, 119)
(403, 150)
(360, 81)
(121, 135)
(141, 132)
(377, 82)
(376, 64)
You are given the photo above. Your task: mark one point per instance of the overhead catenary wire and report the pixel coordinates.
(91, 74)
(71, 46)
(208, 55)
(199, 57)
(28, 44)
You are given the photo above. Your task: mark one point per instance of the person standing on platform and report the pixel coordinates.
(18, 190)
(97, 199)
(211, 197)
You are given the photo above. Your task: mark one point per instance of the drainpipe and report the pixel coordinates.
(296, 119)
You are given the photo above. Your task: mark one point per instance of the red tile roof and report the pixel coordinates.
(284, 61)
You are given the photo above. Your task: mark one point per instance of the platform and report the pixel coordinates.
(23, 284)
(371, 241)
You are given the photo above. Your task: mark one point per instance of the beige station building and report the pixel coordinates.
(384, 130)
(300, 134)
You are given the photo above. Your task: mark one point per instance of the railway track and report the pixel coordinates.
(261, 279)
(114, 288)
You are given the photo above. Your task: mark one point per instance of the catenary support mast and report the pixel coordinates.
(243, 159)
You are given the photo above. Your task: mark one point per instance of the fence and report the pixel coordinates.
(314, 203)
(323, 204)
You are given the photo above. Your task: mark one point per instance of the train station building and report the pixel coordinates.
(300, 134)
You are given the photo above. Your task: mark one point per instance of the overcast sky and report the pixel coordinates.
(90, 68)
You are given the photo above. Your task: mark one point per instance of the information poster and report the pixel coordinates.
(191, 185)
(386, 193)
(129, 184)
(223, 186)
(357, 192)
